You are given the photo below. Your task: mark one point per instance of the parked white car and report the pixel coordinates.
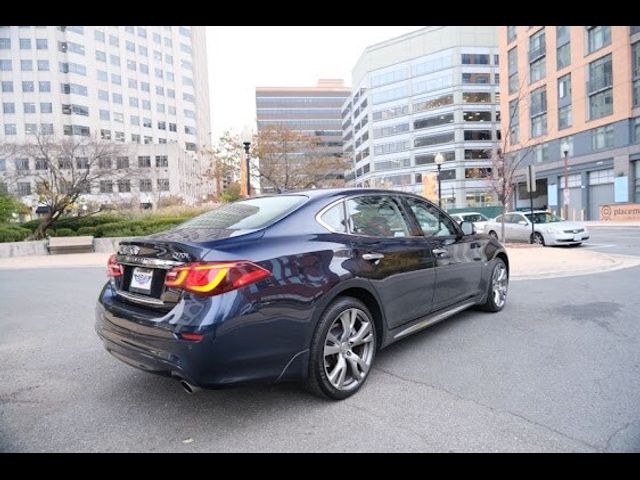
(548, 228)
(478, 219)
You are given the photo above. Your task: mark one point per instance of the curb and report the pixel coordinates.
(620, 262)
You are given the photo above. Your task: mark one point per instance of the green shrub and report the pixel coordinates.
(10, 233)
(87, 231)
(62, 232)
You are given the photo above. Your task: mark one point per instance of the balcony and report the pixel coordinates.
(600, 82)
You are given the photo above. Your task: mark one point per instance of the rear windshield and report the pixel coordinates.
(246, 214)
(475, 217)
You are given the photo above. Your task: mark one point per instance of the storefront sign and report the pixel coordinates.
(430, 186)
(626, 212)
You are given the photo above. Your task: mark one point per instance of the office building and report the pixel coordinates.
(574, 95)
(143, 86)
(431, 91)
(313, 111)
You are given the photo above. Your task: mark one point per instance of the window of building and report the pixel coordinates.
(475, 59)
(537, 45)
(564, 117)
(476, 78)
(22, 164)
(43, 65)
(124, 186)
(46, 107)
(26, 65)
(600, 177)
(105, 134)
(428, 158)
(8, 107)
(25, 44)
(10, 129)
(163, 184)
(564, 86)
(433, 121)
(122, 163)
(5, 65)
(145, 185)
(477, 135)
(511, 33)
(563, 57)
(600, 87)
(476, 116)
(6, 87)
(144, 161)
(135, 138)
(635, 73)
(538, 111)
(434, 139)
(425, 104)
(162, 161)
(98, 36)
(29, 107)
(602, 137)
(477, 154)
(476, 97)
(537, 70)
(44, 86)
(24, 188)
(597, 38)
(106, 186)
(5, 43)
(636, 166)
(512, 68)
(27, 86)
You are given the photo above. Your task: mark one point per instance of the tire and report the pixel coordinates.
(496, 302)
(354, 358)
(493, 234)
(538, 239)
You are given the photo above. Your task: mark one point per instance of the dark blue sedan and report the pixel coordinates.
(300, 287)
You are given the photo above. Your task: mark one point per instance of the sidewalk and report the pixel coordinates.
(598, 224)
(530, 262)
(527, 262)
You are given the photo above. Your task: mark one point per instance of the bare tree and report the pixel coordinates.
(64, 170)
(504, 164)
(290, 160)
(225, 157)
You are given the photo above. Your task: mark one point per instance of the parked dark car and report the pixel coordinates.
(301, 287)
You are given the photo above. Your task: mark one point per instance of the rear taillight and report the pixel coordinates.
(214, 278)
(114, 269)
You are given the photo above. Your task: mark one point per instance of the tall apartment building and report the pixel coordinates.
(431, 91)
(573, 90)
(144, 86)
(312, 111)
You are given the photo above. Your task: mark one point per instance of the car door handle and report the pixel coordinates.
(440, 252)
(372, 256)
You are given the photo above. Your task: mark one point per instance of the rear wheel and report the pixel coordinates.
(342, 349)
(498, 285)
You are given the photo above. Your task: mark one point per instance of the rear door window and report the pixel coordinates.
(248, 214)
(375, 216)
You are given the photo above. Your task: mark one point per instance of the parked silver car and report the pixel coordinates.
(548, 230)
(478, 219)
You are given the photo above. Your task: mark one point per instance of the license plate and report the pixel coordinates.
(141, 280)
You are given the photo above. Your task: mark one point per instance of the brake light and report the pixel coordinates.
(114, 269)
(214, 278)
(192, 337)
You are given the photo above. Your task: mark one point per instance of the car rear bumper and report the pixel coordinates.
(232, 352)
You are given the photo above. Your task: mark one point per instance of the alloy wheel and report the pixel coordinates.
(499, 284)
(348, 349)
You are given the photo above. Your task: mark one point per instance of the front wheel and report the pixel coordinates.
(498, 285)
(538, 239)
(342, 350)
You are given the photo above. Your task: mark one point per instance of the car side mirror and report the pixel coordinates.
(523, 222)
(468, 228)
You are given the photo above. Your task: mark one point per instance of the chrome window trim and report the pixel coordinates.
(350, 197)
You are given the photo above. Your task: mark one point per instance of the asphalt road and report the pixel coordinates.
(620, 240)
(557, 370)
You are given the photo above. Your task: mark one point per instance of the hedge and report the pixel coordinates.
(11, 233)
(75, 223)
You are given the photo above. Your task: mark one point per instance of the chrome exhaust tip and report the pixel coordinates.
(190, 389)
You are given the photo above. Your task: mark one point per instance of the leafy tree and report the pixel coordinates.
(10, 205)
(65, 169)
(291, 160)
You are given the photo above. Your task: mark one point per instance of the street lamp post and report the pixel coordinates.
(439, 159)
(565, 194)
(248, 160)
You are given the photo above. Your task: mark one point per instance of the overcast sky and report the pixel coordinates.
(242, 58)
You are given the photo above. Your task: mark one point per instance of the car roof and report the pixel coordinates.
(318, 193)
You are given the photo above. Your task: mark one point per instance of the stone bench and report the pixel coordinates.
(79, 244)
